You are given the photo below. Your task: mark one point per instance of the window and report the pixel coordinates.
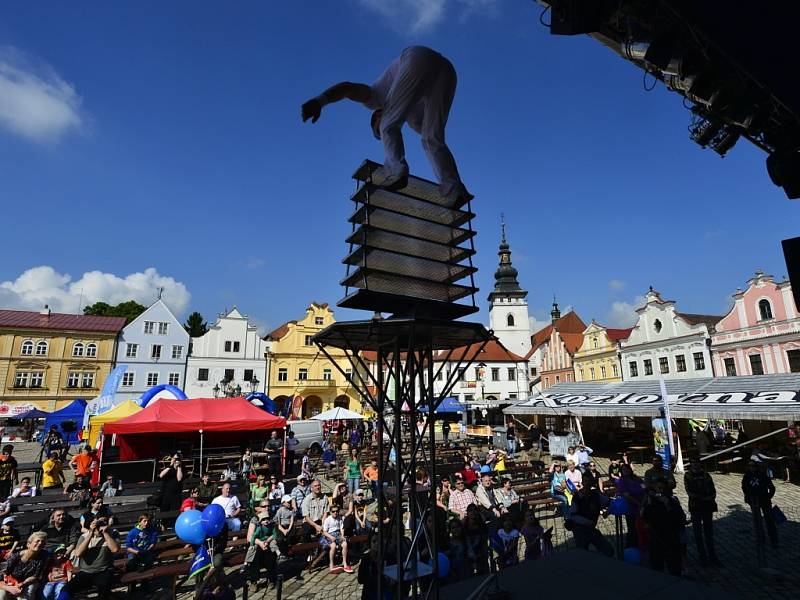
(229, 375)
(326, 374)
(283, 375)
(127, 379)
(152, 379)
(73, 379)
(512, 396)
(37, 378)
(248, 375)
(648, 366)
(755, 364)
(495, 374)
(162, 328)
(764, 309)
(202, 374)
(27, 348)
(634, 368)
(155, 351)
(462, 374)
(302, 374)
(533, 371)
(699, 361)
(794, 360)
(131, 350)
(602, 372)
(88, 380)
(510, 320)
(730, 367)
(177, 352)
(77, 349)
(615, 370)
(680, 363)
(663, 364)
(174, 378)
(546, 381)
(319, 320)
(91, 350)
(512, 373)
(41, 349)
(627, 422)
(235, 346)
(581, 375)
(657, 326)
(594, 342)
(591, 372)
(228, 346)
(21, 379)
(308, 341)
(149, 327)
(569, 376)
(439, 376)
(558, 378)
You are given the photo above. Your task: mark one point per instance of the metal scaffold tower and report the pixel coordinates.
(408, 252)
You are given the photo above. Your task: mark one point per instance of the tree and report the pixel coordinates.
(130, 310)
(195, 325)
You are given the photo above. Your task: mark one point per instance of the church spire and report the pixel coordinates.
(505, 277)
(555, 314)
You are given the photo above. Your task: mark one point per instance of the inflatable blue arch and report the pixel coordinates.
(157, 389)
(267, 403)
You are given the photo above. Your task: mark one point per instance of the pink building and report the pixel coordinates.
(761, 333)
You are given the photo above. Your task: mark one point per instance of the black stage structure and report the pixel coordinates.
(410, 252)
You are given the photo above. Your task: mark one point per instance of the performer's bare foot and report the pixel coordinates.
(395, 185)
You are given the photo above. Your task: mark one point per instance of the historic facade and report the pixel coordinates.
(598, 357)
(667, 343)
(154, 347)
(229, 359)
(299, 369)
(558, 343)
(49, 359)
(761, 333)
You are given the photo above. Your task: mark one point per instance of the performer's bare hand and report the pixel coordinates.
(311, 110)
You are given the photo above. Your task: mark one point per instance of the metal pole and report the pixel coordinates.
(383, 461)
(201, 453)
(397, 443)
(431, 402)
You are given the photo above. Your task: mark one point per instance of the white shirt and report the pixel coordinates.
(331, 525)
(230, 504)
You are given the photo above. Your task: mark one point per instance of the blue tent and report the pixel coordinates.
(71, 416)
(448, 405)
(34, 413)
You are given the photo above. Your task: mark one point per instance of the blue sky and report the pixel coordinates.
(166, 136)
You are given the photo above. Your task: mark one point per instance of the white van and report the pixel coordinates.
(309, 433)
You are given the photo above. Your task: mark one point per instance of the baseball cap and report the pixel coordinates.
(359, 492)
(302, 478)
(8, 520)
(286, 498)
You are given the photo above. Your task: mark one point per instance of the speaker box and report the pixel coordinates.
(791, 253)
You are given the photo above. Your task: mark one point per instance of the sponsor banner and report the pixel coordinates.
(661, 440)
(12, 410)
(733, 399)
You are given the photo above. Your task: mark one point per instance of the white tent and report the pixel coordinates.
(336, 414)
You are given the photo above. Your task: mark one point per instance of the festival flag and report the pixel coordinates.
(201, 562)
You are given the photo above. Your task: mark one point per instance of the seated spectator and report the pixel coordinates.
(329, 455)
(259, 489)
(361, 524)
(261, 549)
(276, 492)
(614, 469)
(9, 538)
(491, 507)
(299, 493)
(232, 507)
(458, 551)
(207, 489)
(190, 503)
(140, 543)
(284, 520)
(111, 487)
(500, 464)
(97, 509)
(587, 504)
(25, 570)
(52, 471)
(230, 473)
(477, 541)
(79, 491)
(508, 546)
(574, 475)
(333, 539)
(571, 455)
(25, 489)
(315, 509)
(461, 499)
(507, 496)
(591, 476)
(533, 533)
(62, 529)
(95, 553)
(58, 573)
(558, 487)
(443, 493)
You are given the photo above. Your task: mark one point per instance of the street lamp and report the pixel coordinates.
(482, 377)
(237, 391)
(254, 384)
(215, 389)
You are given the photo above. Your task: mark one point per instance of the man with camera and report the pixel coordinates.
(172, 484)
(95, 552)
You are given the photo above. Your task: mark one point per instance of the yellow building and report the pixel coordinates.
(297, 368)
(597, 359)
(49, 359)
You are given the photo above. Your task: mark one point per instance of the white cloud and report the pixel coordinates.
(44, 285)
(421, 16)
(255, 262)
(623, 314)
(616, 285)
(35, 102)
(537, 325)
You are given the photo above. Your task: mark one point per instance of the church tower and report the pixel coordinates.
(508, 309)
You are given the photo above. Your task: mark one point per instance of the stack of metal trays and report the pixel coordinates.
(410, 252)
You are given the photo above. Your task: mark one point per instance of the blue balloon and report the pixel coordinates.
(486, 469)
(632, 556)
(189, 527)
(618, 506)
(213, 519)
(444, 565)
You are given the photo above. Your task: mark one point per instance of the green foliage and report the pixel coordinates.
(130, 310)
(195, 325)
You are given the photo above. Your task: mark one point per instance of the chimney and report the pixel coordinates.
(45, 312)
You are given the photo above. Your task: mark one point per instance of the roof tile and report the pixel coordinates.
(28, 319)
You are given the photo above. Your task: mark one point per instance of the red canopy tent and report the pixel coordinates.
(203, 415)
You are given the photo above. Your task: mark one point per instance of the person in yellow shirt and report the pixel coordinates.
(500, 465)
(52, 469)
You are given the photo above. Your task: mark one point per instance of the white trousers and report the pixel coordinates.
(428, 77)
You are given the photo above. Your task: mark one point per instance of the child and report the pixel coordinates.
(140, 543)
(247, 463)
(532, 532)
(9, 538)
(509, 539)
(59, 572)
(111, 487)
(333, 538)
(25, 489)
(458, 551)
(190, 503)
(284, 520)
(305, 468)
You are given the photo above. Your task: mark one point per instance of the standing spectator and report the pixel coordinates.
(62, 529)
(111, 487)
(352, 471)
(461, 498)
(630, 487)
(355, 438)
(758, 492)
(53, 442)
(572, 455)
(305, 465)
(59, 572)
(558, 488)
(446, 433)
(274, 449)
(333, 539)
(291, 451)
(95, 552)
(52, 472)
(25, 489)
(25, 570)
(299, 493)
(536, 435)
(315, 509)
(81, 464)
(247, 463)
(702, 506)
(140, 543)
(666, 523)
(370, 473)
(8, 471)
(511, 439)
(232, 507)
(207, 490)
(582, 454)
(658, 473)
(172, 484)
(9, 538)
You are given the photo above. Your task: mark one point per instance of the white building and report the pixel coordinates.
(154, 347)
(667, 343)
(230, 354)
